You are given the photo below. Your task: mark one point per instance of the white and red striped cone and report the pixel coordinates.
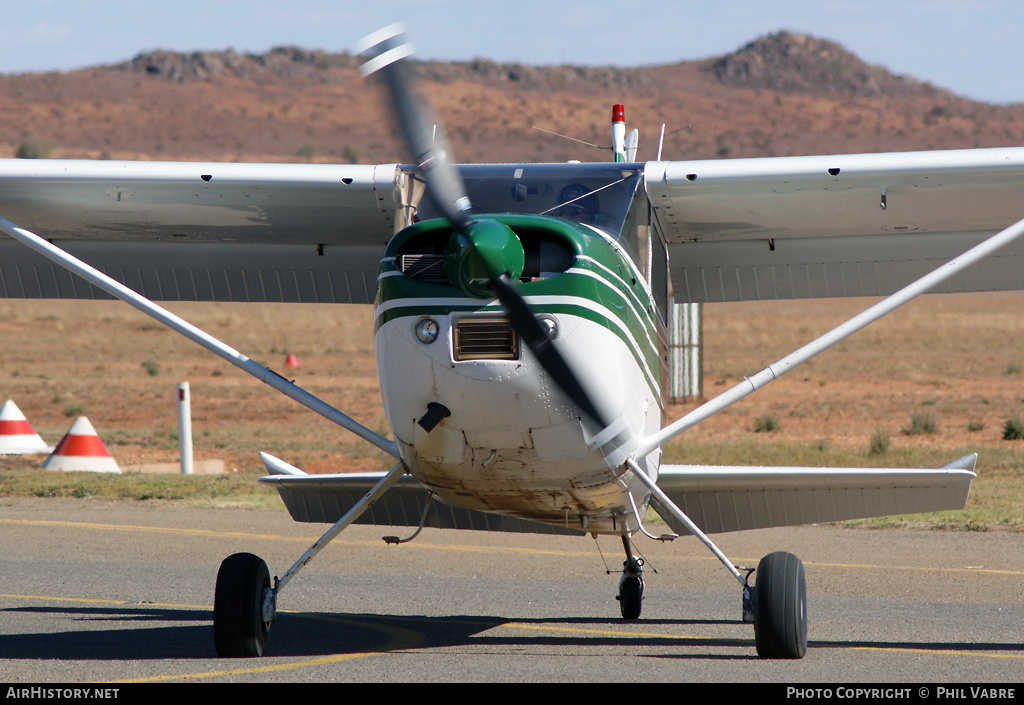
(16, 434)
(81, 449)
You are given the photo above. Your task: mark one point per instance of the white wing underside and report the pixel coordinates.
(200, 231)
(740, 229)
(810, 227)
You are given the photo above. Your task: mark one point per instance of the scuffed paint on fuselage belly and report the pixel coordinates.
(513, 443)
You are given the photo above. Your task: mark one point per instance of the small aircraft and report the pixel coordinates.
(520, 321)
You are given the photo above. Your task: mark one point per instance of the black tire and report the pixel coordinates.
(238, 627)
(780, 612)
(631, 592)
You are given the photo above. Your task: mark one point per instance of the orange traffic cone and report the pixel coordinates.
(16, 434)
(291, 361)
(81, 449)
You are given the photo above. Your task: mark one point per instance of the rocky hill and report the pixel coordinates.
(802, 65)
(279, 65)
(782, 94)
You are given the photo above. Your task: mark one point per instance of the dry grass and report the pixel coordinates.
(941, 358)
(121, 369)
(944, 356)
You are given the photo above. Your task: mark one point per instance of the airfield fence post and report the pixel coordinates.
(686, 351)
(185, 428)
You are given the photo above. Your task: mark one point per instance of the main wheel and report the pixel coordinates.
(238, 626)
(780, 611)
(631, 592)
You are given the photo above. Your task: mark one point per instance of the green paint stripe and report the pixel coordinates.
(639, 311)
(618, 282)
(648, 355)
(597, 285)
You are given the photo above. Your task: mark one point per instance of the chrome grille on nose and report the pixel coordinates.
(485, 339)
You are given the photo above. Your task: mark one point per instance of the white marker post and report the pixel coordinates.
(185, 428)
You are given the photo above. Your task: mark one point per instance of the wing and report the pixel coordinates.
(201, 232)
(720, 499)
(736, 229)
(255, 232)
(842, 225)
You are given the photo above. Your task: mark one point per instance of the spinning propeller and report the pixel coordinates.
(483, 257)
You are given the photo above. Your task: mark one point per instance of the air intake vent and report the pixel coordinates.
(428, 268)
(485, 339)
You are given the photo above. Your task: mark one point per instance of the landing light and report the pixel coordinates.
(549, 324)
(427, 330)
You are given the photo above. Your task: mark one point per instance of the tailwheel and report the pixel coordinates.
(780, 609)
(239, 625)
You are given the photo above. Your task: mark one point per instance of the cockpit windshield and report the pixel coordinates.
(605, 195)
(598, 194)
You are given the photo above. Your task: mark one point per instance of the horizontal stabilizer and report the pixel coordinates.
(721, 498)
(326, 498)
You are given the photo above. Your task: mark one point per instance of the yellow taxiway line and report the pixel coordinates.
(425, 545)
(402, 638)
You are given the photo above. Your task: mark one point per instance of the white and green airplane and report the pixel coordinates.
(520, 321)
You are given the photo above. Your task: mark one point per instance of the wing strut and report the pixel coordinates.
(264, 374)
(385, 483)
(678, 514)
(870, 315)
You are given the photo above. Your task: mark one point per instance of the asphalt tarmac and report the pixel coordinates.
(108, 593)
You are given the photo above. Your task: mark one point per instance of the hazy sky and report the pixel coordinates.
(971, 47)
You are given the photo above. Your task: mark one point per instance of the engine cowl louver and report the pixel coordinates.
(429, 268)
(485, 339)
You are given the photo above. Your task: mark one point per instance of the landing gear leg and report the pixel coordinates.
(245, 603)
(631, 584)
(777, 604)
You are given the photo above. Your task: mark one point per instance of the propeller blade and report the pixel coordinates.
(386, 51)
(531, 332)
(424, 137)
